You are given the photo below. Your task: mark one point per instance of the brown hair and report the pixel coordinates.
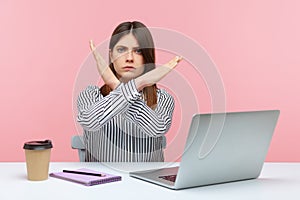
(146, 45)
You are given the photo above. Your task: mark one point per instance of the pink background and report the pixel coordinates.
(255, 45)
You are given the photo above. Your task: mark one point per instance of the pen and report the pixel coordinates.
(83, 173)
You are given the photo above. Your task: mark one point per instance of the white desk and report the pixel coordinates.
(277, 181)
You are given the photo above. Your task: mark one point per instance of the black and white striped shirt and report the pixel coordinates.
(120, 127)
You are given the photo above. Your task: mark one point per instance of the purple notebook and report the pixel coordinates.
(87, 180)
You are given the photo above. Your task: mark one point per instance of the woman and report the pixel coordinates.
(126, 119)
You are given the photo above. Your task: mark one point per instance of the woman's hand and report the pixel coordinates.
(105, 72)
(155, 75)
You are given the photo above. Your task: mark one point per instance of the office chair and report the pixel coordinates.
(77, 143)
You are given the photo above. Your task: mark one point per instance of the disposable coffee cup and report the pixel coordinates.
(37, 159)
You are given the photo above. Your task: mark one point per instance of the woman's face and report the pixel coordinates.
(127, 58)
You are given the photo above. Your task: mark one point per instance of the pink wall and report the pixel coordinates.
(255, 45)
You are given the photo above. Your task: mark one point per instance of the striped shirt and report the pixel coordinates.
(120, 127)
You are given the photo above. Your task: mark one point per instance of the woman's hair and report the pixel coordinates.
(146, 45)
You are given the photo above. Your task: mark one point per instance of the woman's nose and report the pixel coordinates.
(129, 56)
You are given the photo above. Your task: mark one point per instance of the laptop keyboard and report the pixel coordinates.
(171, 178)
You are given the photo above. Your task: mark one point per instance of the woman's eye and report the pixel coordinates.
(138, 51)
(121, 50)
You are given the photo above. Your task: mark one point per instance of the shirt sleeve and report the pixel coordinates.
(154, 123)
(94, 110)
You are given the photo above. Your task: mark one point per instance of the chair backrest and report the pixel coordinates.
(77, 143)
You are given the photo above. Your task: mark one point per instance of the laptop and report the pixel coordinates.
(220, 148)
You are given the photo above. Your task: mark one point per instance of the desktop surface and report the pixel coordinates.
(277, 181)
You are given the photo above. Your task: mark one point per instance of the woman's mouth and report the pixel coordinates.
(128, 68)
